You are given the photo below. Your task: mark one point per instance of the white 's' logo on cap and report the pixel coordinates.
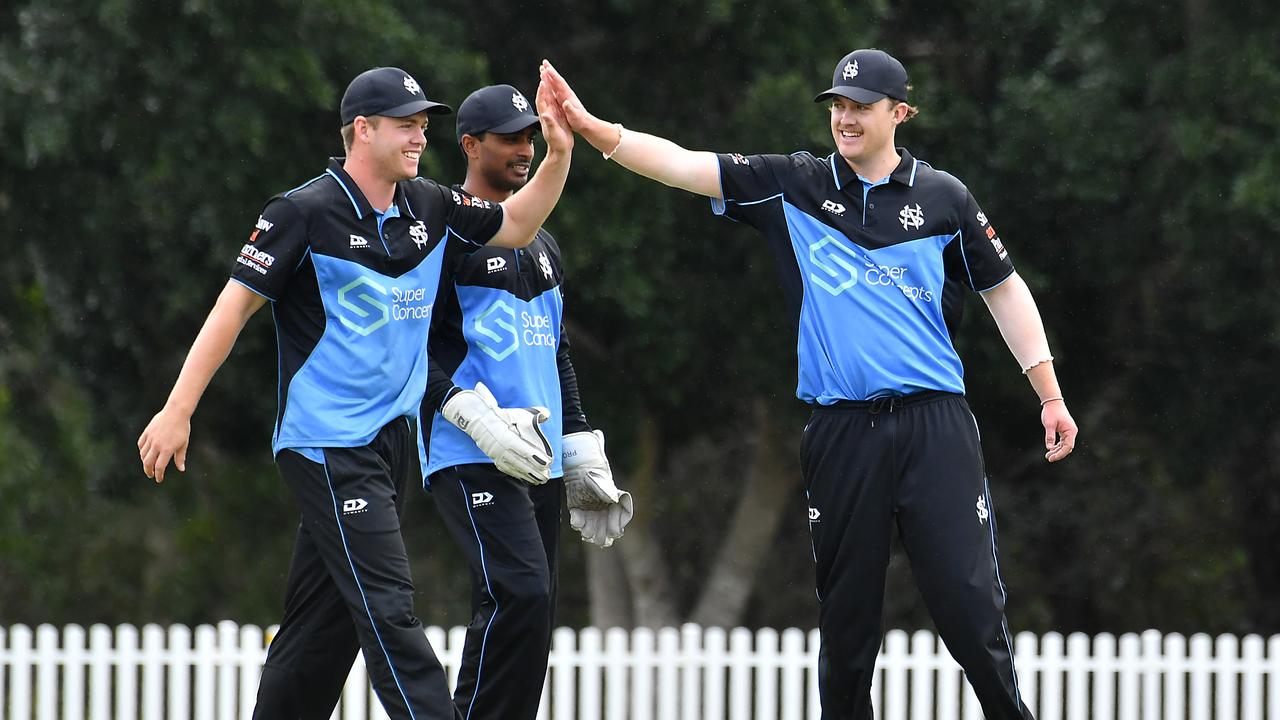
(412, 85)
(519, 102)
(850, 70)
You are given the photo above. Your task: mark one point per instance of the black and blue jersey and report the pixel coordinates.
(873, 273)
(499, 321)
(352, 292)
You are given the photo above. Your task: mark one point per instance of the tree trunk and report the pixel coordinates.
(751, 533)
(652, 598)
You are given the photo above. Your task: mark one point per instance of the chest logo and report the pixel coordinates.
(495, 264)
(837, 262)
(359, 242)
(834, 208)
(418, 233)
(496, 328)
(850, 70)
(911, 217)
(544, 262)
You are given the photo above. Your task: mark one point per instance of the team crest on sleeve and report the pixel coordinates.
(738, 159)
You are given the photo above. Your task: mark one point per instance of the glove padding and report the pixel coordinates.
(510, 437)
(597, 508)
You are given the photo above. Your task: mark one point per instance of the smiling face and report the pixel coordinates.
(501, 160)
(394, 145)
(864, 132)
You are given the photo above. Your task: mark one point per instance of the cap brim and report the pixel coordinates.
(415, 107)
(516, 124)
(856, 94)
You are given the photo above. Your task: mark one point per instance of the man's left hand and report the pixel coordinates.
(597, 508)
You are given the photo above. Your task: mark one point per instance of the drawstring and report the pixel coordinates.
(878, 405)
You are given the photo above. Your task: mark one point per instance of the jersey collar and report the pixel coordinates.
(905, 173)
(359, 202)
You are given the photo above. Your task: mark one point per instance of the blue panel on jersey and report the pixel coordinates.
(511, 348)
(871, 320)
(370, 366)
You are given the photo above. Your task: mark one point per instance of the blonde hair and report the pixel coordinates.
(348, 132)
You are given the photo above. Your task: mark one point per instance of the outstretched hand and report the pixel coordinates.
(572, 109)
(555, 128)
(1060, 430)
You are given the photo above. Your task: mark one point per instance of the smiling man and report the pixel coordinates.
(876, 250)
(350, 262)
(499, 327)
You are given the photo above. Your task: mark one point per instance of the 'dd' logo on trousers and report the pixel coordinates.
(370, 313)
(497, 329)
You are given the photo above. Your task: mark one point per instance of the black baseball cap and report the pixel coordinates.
(866, 76)
(498, 109)
(389, 92)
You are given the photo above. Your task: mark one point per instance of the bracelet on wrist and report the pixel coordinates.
(609, 155)
(1046, 401)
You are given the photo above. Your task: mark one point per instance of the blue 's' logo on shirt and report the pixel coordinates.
(372, 306)
(500, 342)
(838, 261)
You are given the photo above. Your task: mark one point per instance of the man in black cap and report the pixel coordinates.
(875, 251)
(350, 262)
(498, 327)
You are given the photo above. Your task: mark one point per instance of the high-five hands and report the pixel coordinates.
(555, 127)
(510, 437)
(597, 508)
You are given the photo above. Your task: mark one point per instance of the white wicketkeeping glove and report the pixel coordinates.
(597, 508)
(510, 437)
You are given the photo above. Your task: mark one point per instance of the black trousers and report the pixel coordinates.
(915, 461)
(507, 530)
(349, 588)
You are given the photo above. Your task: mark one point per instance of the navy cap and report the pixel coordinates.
(866, 76)
(498, 109)
(389, 92)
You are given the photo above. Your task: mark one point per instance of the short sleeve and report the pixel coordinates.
(986, 260)
(473, 220)
(275, 246)
(748, 181)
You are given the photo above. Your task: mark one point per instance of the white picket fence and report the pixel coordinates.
(687, 673)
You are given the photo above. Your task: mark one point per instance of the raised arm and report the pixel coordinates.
(1016, 315)
(648, 155)
(526, 211)
(166, 436)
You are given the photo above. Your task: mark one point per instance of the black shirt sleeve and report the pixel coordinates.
(747, 182)
(986, 261)
(473, 220)
(275, 247)
(574, 419)
(440, 387)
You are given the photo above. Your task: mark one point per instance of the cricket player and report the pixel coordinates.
(875, 250)
(350, 262)
(498, 328)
